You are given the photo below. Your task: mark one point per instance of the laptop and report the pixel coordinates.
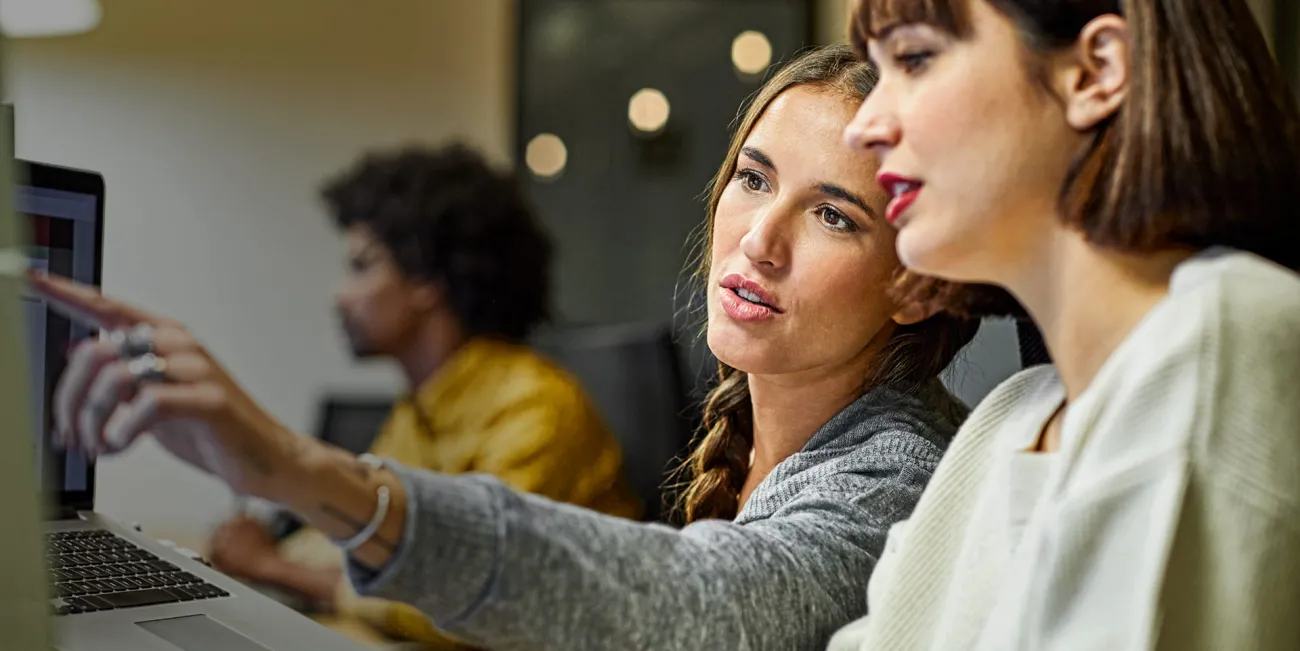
(113, 588)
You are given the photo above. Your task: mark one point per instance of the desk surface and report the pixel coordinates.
(354, 629)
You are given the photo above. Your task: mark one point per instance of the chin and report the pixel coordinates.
(362, 350)
(363, 354)
(928, 254)
(745, 353)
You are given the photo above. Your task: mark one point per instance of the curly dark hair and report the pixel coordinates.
(447, 216)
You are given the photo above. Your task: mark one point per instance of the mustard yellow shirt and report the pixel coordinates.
(502, 409)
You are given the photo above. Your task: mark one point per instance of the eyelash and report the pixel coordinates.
(913, 61)
(846, 225)
(746, 176)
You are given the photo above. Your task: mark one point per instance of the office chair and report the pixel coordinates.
(1033, 350)
(350, 422)
(633, 374)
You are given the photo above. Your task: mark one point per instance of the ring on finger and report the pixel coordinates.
(102, 409)
(135, 342)
(148, 368)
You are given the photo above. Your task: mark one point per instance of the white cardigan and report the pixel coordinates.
(1170, 517)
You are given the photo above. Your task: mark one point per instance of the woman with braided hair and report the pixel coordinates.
(826, 424)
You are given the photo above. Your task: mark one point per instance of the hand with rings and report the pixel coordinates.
(136, 365)
(151, 376)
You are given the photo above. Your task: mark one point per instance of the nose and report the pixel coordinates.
(874, 128)
(767, 244)
(341, 296)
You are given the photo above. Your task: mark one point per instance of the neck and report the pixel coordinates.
(429, 350)
(789, 409)
(1087, 300)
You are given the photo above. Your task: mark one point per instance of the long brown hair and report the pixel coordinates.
(914, 355)
(1204, 151)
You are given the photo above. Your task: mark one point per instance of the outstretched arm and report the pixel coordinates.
(495, 567)
(507, 570)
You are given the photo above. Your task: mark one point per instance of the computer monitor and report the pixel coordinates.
(62, 211)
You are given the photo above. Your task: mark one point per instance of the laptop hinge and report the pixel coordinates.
(65, 512)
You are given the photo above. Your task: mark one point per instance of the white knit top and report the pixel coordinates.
(1169, 518)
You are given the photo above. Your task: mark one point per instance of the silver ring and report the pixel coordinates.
(148, 368)
(136, 342)
(102, 409)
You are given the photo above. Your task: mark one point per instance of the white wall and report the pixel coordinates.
(833, 20)
(214, 123)
(1265, 14)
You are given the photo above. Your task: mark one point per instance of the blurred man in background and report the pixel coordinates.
(448, 272)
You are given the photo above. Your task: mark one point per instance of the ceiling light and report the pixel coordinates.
(751, 53)
(36, 18)
(546, 155)
(648, 111)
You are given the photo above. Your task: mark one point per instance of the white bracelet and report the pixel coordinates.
(381, 511)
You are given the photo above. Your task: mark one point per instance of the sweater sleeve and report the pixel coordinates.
(508, 570)
(1232, 578)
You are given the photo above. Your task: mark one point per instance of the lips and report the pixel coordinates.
(904, 191)
(745, 300)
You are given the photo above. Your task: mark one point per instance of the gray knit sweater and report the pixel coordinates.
(506, 571)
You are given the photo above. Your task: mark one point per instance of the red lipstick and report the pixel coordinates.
(904, 191)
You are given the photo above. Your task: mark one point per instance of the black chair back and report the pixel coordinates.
(633, 374)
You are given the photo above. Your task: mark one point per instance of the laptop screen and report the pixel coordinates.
(63, 212)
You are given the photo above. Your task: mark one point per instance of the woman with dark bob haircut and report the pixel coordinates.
(1127, 171)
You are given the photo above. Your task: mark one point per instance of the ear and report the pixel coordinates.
(429, 296)
(1092, 78)
(915, 313)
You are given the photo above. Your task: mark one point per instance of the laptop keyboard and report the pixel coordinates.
(98, 570)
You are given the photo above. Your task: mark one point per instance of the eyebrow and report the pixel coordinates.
(881, 37)
(367, 250)
(844, 195)
(882, 34)
(828, 189)
(758, 157)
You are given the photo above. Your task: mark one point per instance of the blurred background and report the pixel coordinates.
(214, 122)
